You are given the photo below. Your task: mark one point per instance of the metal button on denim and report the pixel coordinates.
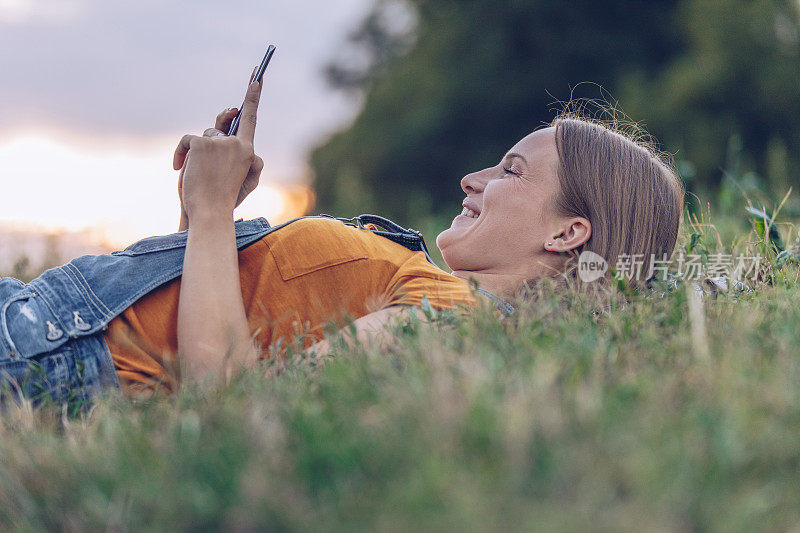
(53, 332)
(80, 323)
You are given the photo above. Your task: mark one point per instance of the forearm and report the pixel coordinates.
(183, 224)
(213, 336)
(369, 329)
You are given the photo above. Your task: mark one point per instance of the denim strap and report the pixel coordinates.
(408, 237)
(503, 306)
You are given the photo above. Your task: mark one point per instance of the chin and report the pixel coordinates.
(442, 237)
(447, 242)
(452, 262)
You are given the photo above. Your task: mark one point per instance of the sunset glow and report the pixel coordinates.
(96, 95)
(124, 193)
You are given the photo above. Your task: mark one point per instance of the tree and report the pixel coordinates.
(737, 82)
(451, 94)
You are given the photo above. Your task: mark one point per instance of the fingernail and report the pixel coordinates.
(254, 85)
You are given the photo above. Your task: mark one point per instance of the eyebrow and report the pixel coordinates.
(511, 155)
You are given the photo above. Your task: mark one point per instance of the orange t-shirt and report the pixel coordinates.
(295, 280)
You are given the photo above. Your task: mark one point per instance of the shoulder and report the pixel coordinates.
(317, 244)
(417, 278)
(327, 236)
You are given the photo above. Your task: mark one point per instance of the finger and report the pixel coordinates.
(181, 151)
(253, 74)
(224, 119)
(258, 165)
(214, 132)
(247, 121)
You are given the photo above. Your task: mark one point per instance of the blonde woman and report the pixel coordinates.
(218, 294)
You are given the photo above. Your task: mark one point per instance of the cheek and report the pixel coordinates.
(517, 206)
(520, 220)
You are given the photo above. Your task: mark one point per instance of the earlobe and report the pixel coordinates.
(554, 246)
(549, 244)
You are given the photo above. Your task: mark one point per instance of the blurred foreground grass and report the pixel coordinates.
(665, 412)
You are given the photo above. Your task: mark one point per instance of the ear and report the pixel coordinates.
(573, 233)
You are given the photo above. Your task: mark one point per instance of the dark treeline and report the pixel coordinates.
(448, 86)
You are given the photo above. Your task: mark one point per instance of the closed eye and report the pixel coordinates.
(508, 171)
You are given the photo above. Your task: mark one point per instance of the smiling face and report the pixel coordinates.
(509, 230)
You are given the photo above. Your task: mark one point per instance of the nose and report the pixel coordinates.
(475, 183)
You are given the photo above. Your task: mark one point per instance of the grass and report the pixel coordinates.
(653, 413)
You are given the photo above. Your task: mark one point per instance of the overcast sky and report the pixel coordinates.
(131, 76)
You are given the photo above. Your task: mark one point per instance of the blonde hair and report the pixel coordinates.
(630, 194)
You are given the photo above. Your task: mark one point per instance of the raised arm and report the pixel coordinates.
(213, 335)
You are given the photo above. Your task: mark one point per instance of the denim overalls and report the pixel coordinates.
(51, 329)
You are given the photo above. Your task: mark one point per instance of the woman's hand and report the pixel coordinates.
(217, 171)
(221, 127)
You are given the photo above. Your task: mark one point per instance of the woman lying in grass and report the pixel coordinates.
(205, 301)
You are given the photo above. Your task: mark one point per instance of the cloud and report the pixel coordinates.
(45, 12)
(120, 70)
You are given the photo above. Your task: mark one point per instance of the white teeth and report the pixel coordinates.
(469, 213)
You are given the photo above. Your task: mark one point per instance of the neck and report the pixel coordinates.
(503, 285)
(506, 282)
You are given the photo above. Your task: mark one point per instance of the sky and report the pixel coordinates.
(95, 94)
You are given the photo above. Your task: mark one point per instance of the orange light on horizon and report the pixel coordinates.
(298, 201)
(115, 197)
(47, 246)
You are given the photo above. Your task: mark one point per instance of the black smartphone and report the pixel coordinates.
(258, 77)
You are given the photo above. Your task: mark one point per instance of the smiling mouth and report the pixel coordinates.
(469, 213)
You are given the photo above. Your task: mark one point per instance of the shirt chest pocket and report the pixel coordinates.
(316, 247)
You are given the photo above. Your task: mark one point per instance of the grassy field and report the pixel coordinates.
(650, 412)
